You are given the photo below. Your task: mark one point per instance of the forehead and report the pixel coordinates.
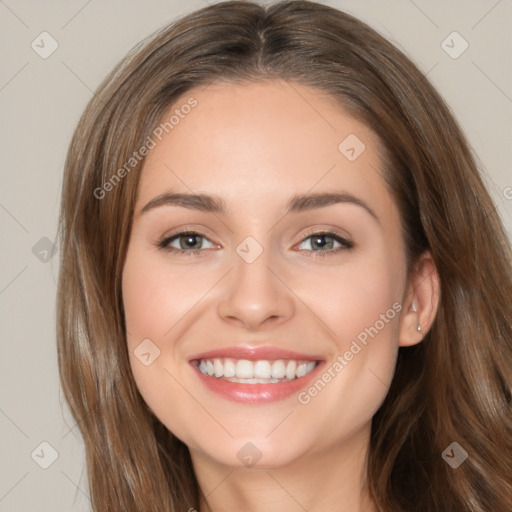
(246, 142)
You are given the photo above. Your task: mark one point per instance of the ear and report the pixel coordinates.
(420, 301)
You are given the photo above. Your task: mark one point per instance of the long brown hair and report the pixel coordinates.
(455, 386)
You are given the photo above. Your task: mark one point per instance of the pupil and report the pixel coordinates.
(321, 238)
(190, 240)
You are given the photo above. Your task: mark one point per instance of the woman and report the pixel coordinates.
(214, 355)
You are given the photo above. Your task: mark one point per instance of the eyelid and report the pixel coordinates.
(185, 230)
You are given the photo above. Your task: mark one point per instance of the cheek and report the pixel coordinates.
(156, 296)
(154, 300)
(161, 302)
(362, 300)
(354, 298)
(145, 307)
(360, 305)
(362, 309)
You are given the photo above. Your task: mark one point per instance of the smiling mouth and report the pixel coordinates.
(262, 371)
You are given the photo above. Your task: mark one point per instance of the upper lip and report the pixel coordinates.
(254, 354)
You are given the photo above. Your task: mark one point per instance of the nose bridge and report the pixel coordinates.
(254, 293)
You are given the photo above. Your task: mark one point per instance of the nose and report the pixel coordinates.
(255, 295)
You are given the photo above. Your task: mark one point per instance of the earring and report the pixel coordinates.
(419, 328)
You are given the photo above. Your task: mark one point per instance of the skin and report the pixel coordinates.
(255, 145)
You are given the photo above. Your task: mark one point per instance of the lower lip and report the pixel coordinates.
(256, 393)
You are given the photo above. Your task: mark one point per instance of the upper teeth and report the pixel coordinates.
(245, 369)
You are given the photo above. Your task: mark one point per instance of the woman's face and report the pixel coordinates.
(290, 277)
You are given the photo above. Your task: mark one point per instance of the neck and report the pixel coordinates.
(333, 479)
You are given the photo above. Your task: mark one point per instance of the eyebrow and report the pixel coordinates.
(214, 204)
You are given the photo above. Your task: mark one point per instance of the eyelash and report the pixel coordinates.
(345, 244)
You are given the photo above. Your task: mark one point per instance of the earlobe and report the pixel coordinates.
(420, 302)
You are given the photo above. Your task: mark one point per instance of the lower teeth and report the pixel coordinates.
(254, 380)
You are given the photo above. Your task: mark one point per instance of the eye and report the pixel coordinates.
(192, 243)
(189, 242)
(325, 243)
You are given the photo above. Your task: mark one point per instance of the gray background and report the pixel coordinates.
(40, 103)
